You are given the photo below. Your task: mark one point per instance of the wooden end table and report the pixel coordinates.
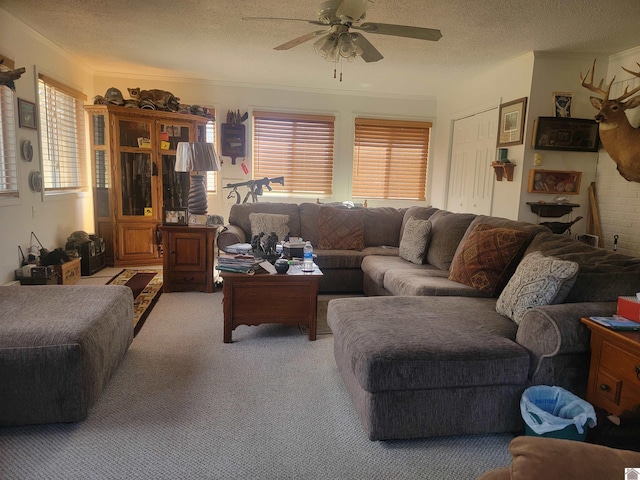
(614, 373)
(290, 299)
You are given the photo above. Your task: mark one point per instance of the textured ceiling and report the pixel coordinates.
(207, 39)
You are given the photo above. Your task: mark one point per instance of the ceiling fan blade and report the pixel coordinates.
(400, 31)
(353, 10)
(300, 40)
(313, 22)
(369, 52)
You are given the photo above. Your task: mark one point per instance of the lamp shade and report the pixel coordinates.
(196, 157)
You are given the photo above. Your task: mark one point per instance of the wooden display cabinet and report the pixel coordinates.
(133, 154)
(189, 258)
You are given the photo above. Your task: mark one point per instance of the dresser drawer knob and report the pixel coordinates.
(604, 387)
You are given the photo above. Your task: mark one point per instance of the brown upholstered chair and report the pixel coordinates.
(536, 458)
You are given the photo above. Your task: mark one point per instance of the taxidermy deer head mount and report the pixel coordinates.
(619, 138)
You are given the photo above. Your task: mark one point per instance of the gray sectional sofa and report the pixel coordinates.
(426, 353)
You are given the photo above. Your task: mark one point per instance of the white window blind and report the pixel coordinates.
(211, 138)
(62, 135)
(298, 147)
(390, 159)
(8, 155)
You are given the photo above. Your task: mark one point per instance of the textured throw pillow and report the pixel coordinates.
(488, 257)
(340, 229)
(538, 280)
(269, 222)
(415, 239)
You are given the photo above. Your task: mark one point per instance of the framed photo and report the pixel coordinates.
(195, 219)
(562, 104)
(511, 122)
(174, 216)
(554, 181)
(27, 114)
(569, 134)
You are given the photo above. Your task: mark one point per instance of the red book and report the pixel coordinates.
(629, 307)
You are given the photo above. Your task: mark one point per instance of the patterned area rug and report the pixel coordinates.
(146, 286)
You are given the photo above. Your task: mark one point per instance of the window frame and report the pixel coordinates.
(301, 164)
(397, 171)
(78, 145)
(9, 165)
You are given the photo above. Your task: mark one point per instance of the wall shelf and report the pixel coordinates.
(503, 170)
(552, 210)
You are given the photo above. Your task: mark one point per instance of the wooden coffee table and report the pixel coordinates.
(291, 299)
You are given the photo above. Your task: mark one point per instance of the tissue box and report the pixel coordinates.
(629, 307)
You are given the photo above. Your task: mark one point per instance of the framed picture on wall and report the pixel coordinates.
(562, 104)
(554, 181)
(511, 122)
(569, 134)
(27, 114)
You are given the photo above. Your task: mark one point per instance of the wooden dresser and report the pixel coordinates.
(189, 258)
(614, 374)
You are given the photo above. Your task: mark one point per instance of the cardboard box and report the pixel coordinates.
(68, 273)
(629, 307)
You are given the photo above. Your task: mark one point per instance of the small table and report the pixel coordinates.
(290, 299)
(614, 373)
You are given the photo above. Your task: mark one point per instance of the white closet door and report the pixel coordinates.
(471, 176)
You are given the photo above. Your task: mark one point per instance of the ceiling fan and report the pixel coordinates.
(342, 16)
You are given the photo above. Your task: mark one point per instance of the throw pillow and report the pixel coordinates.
(269, 222)
(415, 239)
(340, 229)
(538, 280)
(488, 257)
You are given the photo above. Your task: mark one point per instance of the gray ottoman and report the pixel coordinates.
(427, 366)
(59, 346)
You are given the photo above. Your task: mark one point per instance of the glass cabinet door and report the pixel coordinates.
(100, 165)
(137, 197)
(175, 185)
(136, 169)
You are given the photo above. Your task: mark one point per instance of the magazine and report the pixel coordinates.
(617, 323)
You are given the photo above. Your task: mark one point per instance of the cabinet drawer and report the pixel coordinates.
(188, 278)
(608, 387)
(620, 363)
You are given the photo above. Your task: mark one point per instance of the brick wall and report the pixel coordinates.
(618, 199)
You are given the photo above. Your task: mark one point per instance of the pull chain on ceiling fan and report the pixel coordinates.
(341, 16)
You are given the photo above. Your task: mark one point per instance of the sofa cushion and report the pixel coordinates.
(382, 226)
(426, 282)
(422, 213)
(447, 230)
(340, 229)
(376, 266)
(538, 280)
(603, 274)
(410, 343)
(488, 258)
(269, 222)
(239, 215)
(415, 240)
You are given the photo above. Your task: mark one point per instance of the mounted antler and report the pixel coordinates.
(598, 89)
(619, 138)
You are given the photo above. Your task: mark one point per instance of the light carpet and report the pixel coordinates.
(271, 405)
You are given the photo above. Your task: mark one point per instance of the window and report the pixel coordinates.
(62, 135)
(211, 138)
(8, 162)
(296, 147)
(390, 159)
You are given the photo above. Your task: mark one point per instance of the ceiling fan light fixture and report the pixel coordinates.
(347, 47)
(327, 47)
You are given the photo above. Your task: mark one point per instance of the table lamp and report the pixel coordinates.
(195, 158)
